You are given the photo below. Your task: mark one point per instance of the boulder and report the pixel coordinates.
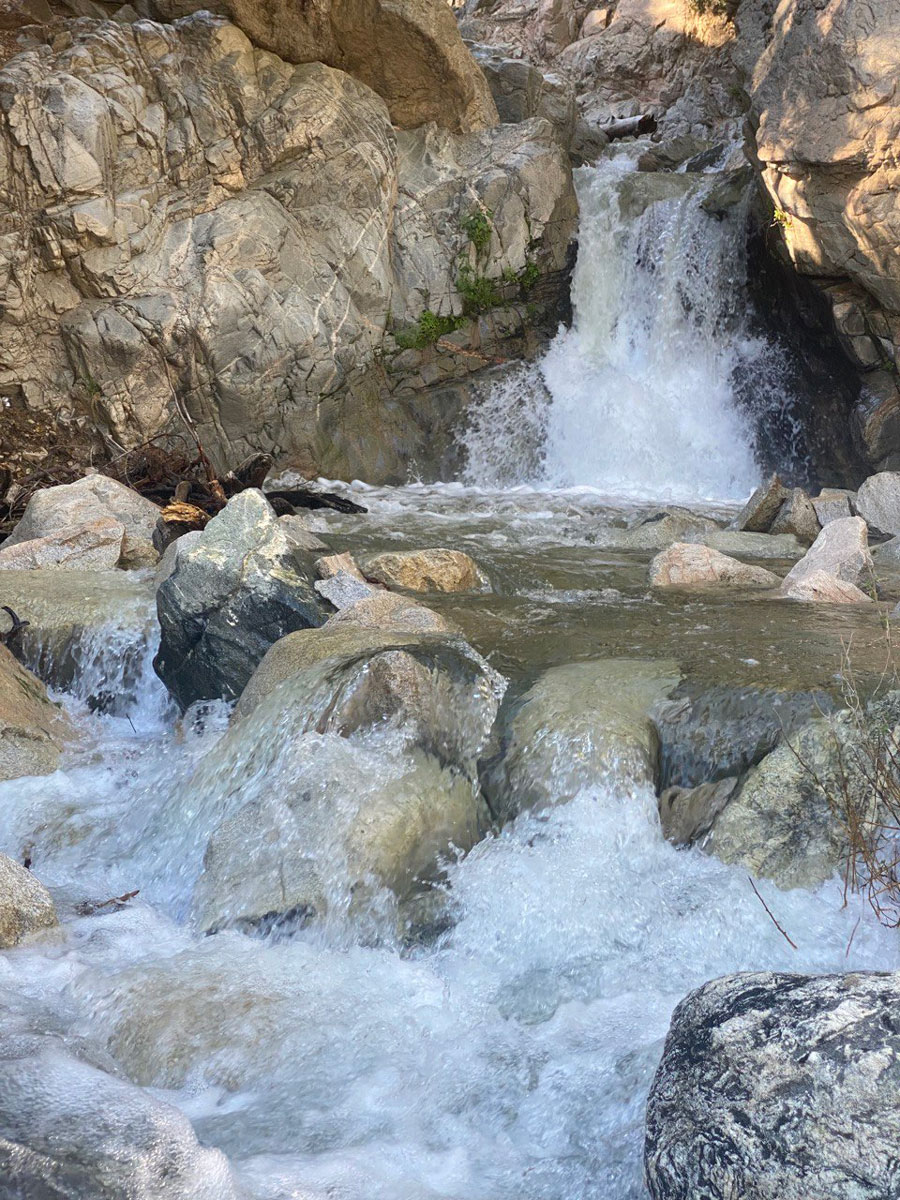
(581, 726)
(754, 545)
(25, 904)
(390, 612)
(786, 822)
(95, 497)
(841, 550)
(685, 565)
(353, 822)
(300, 535)
(338, 564)
(670, 525)
(33, 730)
(818, 587)
(437, 570)
(69, 1130)
(344, 589)
(96, 546)
(878, 502)
(232, 593)
(408, 51)
(763, 507)
(832, 504)
(797, 516)
(688, 814)
(778, 1086)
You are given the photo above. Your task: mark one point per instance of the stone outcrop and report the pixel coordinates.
(686, 564)
(60, 510)
(778, 1086)
(193, 219)
(32, 729)
(408, 51)
(239, 587)
(25, 904)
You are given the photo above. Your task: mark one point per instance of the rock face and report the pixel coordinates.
(428, 571)
(249, 235)
(840, 550)
(68, 1129)
(408, 51)
(32, 729)
(237, 589)
(25, 904)
(58, 510)
(685, 564)
(96, 546)
(778, 1087)
(583, 725)
(878, 502)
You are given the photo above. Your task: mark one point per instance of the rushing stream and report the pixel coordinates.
(509, 1057)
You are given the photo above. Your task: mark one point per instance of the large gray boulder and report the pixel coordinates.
(239, 587)
(779, 1087)
(878, 502)
(69, 1131)
(61, 509)
(841, 550)
(26, 906)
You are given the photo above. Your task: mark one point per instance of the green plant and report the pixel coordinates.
(478, 227)
(429, 328)
(478, 292)
(529, 275)
(714, 8)
(782, 218)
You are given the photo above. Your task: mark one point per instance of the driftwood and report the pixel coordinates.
(630, 126)
(87, 908)
(17, 626)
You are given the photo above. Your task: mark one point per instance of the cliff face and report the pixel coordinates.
(193, 225)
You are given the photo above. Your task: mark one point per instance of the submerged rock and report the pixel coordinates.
(687, 814)
(96, 546)
(437, 570)
(390, 612)
(32, 729)
(779, 1087)
(818, 587)
(583, 725)
(233, 592)
(841, 550)
(25, 904)
(670, 525)
(69, 1131)
(685, 564)
(878, 502)
(95, 497)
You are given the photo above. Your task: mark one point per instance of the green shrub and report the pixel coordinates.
(478, 228)
(429, 329)
(478, 292)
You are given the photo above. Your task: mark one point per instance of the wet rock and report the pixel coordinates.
(166, 564)
(783, 823)
(437, 570)
(832, 504)
(583, 725)
(32, 729)
(818, 587)
(300, 535)
(390, 612)
(237, 589)
(797, 516)
(754, 545)
(93, 498)
(25, 904)
(688, 814)
(878, 502)
(347, 678)
(670, 525)
(685, 564)
(96, 546)
(775, 1085)
(841, 550)
(353, 821)
(69, 1131)
(343, 589)
(763, 507)
(338, 564)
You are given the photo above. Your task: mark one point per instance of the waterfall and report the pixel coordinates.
(639, 399)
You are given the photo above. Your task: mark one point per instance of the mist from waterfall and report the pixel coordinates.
(640, 397)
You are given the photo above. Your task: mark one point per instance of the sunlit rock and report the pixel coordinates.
(686, 564)
(25, 904)
(437, 570)
(391, 612)
(95, 546)
(777, 1085)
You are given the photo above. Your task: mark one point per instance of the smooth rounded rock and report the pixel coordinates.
(686, 564)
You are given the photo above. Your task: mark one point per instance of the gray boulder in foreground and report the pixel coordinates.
(779, 1087)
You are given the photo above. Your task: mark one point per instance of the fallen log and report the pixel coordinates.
(630, 126)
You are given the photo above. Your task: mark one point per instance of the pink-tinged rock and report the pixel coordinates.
(94, 546)
(821, 588)
(841, 549)
(684, 564)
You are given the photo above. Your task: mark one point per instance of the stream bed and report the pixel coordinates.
(509, 1056)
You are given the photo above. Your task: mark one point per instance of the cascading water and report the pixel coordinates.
(639, 399)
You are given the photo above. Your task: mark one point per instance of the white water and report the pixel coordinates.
(638, 398)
